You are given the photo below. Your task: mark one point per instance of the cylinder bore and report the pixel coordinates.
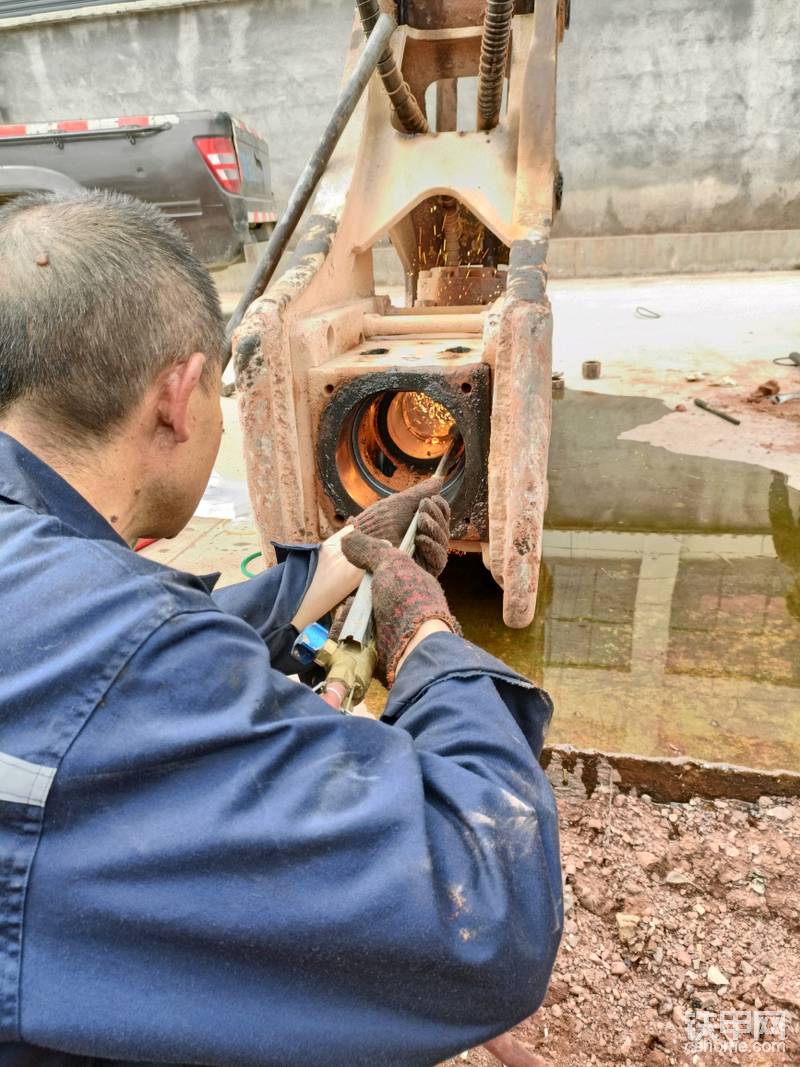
(380, 433)
(393, 439)
(419, 425)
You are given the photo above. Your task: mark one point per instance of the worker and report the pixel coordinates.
(200, 861)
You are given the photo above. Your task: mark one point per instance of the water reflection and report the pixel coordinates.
(667, 623)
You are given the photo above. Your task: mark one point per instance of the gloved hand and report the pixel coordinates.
(403, 597)
(390, 517)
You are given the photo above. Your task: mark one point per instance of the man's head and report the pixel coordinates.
(111, 342)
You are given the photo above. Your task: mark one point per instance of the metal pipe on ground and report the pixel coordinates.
(408, 111)
(374, 49)
(494, 59)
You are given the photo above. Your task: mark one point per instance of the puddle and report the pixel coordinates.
(668, 620)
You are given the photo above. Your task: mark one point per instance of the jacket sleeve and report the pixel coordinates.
(270, 601)
(232, 873)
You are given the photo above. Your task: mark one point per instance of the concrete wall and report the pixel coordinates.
(674, 115)
(680, 116)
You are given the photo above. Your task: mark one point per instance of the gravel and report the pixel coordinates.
(671, 910)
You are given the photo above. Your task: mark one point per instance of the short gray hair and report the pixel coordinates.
(99, 292)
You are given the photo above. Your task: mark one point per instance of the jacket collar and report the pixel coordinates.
(26, 480)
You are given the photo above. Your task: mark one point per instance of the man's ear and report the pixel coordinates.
(175, 391)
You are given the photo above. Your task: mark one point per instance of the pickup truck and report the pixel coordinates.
(205, 169)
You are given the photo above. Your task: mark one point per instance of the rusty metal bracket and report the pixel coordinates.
(468, 213)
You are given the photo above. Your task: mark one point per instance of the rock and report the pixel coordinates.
(636, 904)
(627, 926)
(730, 874)
(677, 877)
(682, 957)
(771, 387)
(745, 900)
(716, 977)
(557, 992)
(783, 990)
(783, 848)
(656, 1058)
(618, 967)
(708, 1001)
(665, 1007)
(593, 896)
(779, 812)
(646, 860)
(677, 1015)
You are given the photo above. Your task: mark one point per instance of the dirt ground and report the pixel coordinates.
(679, 919)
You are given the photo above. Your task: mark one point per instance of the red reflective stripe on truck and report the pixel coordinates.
(43, 129)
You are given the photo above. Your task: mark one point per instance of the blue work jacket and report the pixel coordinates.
(200, 862)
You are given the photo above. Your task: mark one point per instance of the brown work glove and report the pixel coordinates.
(390, 517)
(403, 597)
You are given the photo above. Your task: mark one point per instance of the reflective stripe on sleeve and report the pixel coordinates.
(22, 782)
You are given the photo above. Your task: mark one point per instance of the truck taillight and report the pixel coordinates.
(219, 156)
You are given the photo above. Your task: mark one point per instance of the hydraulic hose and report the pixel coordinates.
(494, 57)
(403, 101)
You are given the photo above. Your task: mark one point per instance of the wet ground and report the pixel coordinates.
(668, 619)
